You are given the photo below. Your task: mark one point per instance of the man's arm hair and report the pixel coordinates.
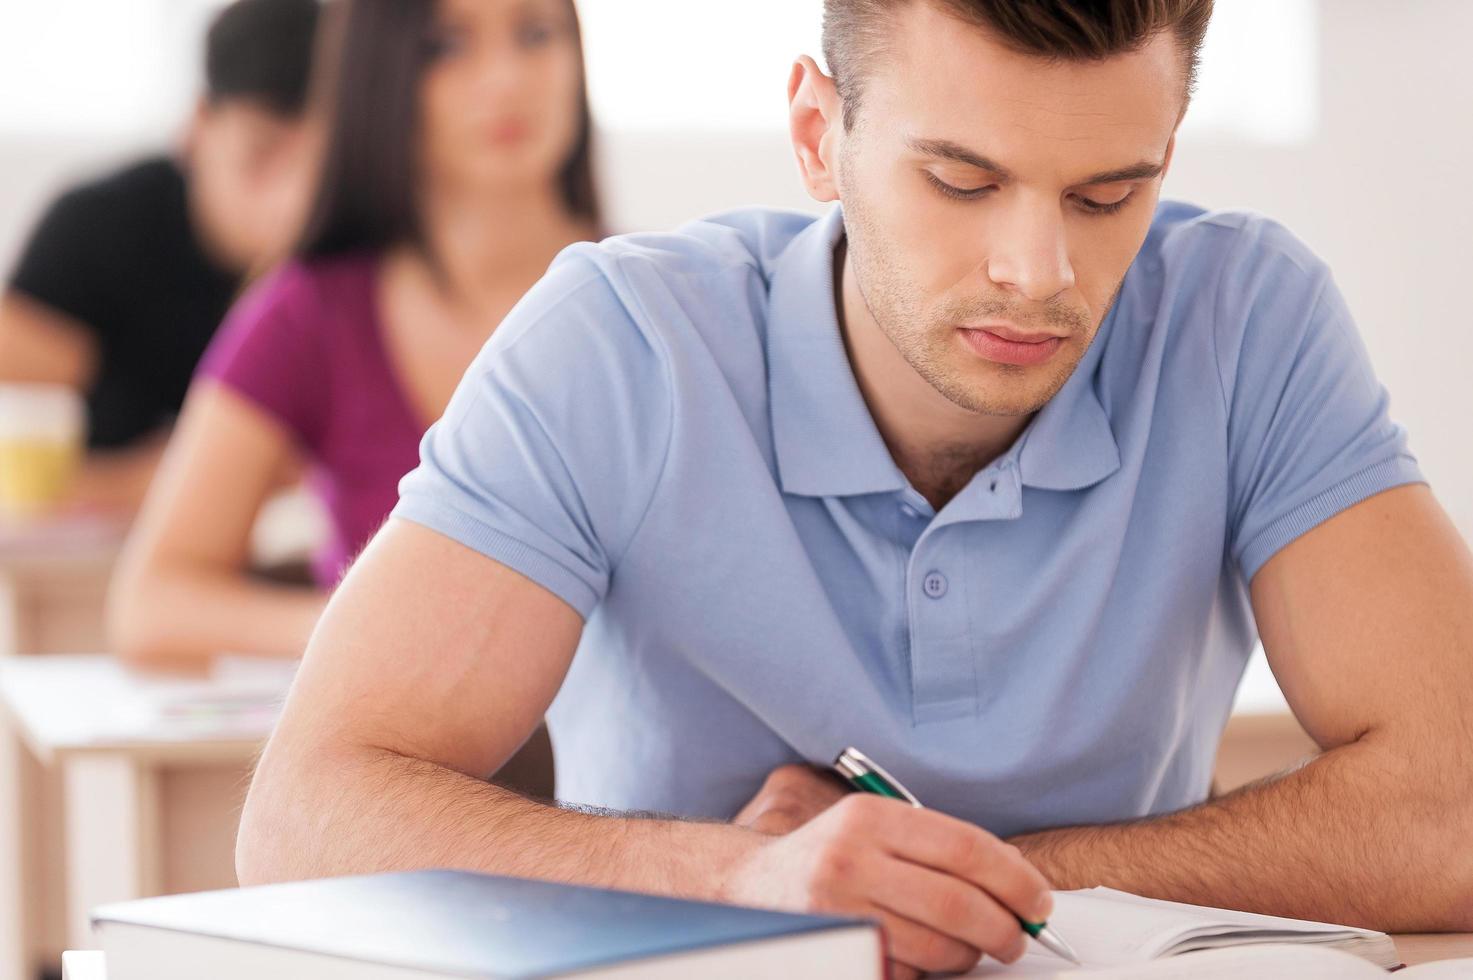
(1368, 623)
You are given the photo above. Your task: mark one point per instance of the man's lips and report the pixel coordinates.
(1006, 331)
(1004, 344)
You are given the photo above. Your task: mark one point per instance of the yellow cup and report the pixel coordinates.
(41, 434)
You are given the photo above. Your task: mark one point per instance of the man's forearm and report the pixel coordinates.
(1371, 833)
(385, 812)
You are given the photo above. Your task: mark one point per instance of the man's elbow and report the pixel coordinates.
(1460, 903)
(264, 841)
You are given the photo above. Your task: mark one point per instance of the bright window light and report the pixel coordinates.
(107, 67)
(682, 65)
(99, 67)
(1259, 79)
(691, 64)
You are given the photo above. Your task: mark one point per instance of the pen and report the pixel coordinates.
(866, 775)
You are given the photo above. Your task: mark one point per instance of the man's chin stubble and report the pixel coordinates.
(992, 399)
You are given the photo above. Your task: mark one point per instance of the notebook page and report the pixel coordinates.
(1202, 927)
(1439, 970)
(1107, 927)
(1103, 931)
(1274, 962)
(1112, 928)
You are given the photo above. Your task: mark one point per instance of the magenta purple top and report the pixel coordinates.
(306, 345)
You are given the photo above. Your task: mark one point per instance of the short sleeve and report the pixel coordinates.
(270, 352)
(1309, 430)
(554, 444)
(62, 264)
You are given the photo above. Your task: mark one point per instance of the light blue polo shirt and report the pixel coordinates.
(667, 434)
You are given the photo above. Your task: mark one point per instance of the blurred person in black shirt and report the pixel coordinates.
(124, 279)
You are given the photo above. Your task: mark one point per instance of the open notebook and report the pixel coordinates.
(1271, 962)
(1110, 928)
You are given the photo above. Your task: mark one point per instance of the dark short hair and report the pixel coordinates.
(373, 56)
(262, 50)
(1061, 30)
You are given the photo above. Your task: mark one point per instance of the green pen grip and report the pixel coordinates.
(873, 783)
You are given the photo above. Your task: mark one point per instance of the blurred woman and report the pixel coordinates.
(457, 165)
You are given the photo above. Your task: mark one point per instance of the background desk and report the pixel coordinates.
(149, 805)
(53, 582)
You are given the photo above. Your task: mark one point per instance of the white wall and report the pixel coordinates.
(1378, 189)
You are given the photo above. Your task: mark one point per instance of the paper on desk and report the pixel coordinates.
(1265, 962)
(241, 697)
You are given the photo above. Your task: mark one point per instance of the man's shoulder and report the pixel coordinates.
(736, 244)
(136, 191)
(1206, 245)
(1214, 277)
(706, 278)
(1231, 291)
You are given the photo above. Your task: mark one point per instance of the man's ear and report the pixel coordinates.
(816, 124)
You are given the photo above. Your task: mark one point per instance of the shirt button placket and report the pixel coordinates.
(942, 672)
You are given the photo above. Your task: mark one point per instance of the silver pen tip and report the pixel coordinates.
(1051, 941)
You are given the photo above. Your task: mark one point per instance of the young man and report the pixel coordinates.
(124, 280)
(991, 473)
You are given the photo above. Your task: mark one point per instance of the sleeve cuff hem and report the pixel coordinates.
(1395, 472)
(501, 547)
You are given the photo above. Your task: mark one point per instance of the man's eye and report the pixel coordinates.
(1098, 207)
(957, 193)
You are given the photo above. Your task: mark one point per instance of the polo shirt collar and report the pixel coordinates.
(824, 438)
(826, 442)
(1070, 444)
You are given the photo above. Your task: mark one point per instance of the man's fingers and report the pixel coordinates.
(958, 848)
(949, 906)
(913, 945)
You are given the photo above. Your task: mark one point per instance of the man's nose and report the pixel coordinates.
(1031, 253)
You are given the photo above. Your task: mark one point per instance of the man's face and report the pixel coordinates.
(992, 198)
(251, 174)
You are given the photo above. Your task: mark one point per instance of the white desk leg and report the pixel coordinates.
(112, 836)
(77, 965)
(12, 625)
(16, 946)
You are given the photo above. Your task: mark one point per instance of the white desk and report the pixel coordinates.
(152, 772)
(1413, 949)
(53, 582)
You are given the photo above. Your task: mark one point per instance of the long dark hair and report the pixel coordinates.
(373, 54)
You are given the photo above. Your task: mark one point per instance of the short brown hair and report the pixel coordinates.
(1060, 30)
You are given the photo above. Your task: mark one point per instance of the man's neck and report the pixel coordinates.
(937, 444)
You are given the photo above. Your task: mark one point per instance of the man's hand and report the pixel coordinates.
(791, 796)
(943, 890)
